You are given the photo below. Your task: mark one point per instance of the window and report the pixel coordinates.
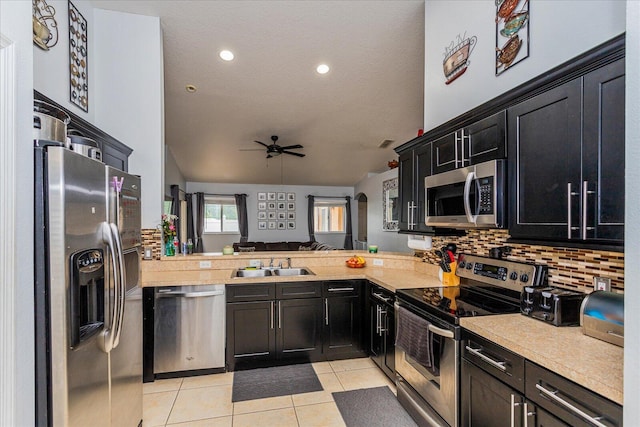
(220, 215)
(329, 216)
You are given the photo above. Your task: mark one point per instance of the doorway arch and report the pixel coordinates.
(361, 240)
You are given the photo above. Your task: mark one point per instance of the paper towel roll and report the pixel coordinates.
(421, 243)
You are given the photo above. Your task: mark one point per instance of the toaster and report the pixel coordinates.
(560, 307)
(602, 317)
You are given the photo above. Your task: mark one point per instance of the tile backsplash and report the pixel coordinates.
(568, 267)
(152, 238)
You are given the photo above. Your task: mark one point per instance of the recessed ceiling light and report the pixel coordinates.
(226, 55)
(322, 69)
(191, 88)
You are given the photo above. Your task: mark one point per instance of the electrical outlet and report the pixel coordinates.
(378, 262)
(205, 264)
(254, 263)
(602, 284)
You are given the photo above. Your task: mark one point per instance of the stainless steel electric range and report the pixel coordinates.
(428, 347)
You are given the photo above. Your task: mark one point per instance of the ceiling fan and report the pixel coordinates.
(274, 149)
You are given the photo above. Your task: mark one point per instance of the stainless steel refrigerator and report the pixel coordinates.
(88, 314)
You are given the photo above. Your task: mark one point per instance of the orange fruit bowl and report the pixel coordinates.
(354, 265)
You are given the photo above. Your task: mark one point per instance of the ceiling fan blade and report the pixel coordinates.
(294, 154)
(269, 156)
(292, 147)
(262, 143)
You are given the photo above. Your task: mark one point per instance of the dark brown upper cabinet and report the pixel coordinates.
(566, 160)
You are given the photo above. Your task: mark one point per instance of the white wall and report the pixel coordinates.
(559, 30)
(129, 97)
(15, 24)
(172, 173)
(371, 186)
(632, 217)
(51, 68)
(214, 243)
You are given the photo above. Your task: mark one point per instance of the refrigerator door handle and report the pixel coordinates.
(106, 344)
(120, 284)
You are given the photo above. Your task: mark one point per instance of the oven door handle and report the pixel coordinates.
(467, 204)
(442, 332)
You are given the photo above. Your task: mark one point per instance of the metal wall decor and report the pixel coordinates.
(512, 33)
(456, 57)
(78, 59)
(45, 26)
(390, 211)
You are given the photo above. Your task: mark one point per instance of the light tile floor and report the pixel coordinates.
(205, 401)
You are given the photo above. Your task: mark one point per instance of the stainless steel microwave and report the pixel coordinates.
(470, 197)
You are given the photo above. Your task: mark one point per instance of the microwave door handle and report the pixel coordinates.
(467, 204)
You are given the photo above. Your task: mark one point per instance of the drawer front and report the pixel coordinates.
(292, 290)
(341, 288)
(251, 292)
(503, 364)
(569, 401)
(381, 295)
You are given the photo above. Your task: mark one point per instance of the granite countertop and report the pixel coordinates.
(589, 362)
(388, 278)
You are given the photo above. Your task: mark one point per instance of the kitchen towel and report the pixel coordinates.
(376, 406)
(274, 381)
(415, 338)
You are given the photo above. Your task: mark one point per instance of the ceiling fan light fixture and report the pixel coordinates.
(226, 55)
(322, 69)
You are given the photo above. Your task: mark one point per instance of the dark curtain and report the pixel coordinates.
(310, 221)
(191, 234)
(175, 209)
(348, 238)
(243, 222)
(199, 222)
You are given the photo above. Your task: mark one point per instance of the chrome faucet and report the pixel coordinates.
(288, 262)
(271, 263)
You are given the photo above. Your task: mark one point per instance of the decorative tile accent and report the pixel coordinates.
(152, 238)
(568, 267)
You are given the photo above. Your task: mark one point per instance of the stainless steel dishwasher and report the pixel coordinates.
(189, 328)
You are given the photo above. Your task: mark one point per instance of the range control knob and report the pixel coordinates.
(469, 266)
(462, 264)
(513, 275)
(524, 278)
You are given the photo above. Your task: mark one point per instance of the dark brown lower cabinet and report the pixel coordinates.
(279, 323)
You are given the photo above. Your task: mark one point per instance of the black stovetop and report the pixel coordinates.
(451, 303)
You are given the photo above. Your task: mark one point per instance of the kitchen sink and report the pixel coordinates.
(241, 272)
(292, 272)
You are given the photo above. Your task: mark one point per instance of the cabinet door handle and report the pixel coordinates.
(585, 197)
(383, 319)
(279, 314)
(490, 361)
(341, 289)
(377, 319)
(326, 311)
(272, 314)
(570, 194)
(513, 409)
(527, 414)
(552, 395)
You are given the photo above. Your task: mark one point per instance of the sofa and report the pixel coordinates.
(280, 246)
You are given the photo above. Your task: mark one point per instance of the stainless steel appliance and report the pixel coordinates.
(189, 328)
(430, 391)
(85, 146)
(602, 317)
(87, 320)
(470, 197)
(560, 307)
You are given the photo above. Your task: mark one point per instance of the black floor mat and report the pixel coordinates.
(372, 407)
(275, 381)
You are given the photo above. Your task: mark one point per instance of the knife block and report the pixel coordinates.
(450, 279)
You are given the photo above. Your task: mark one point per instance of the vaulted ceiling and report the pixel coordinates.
(373, 91)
